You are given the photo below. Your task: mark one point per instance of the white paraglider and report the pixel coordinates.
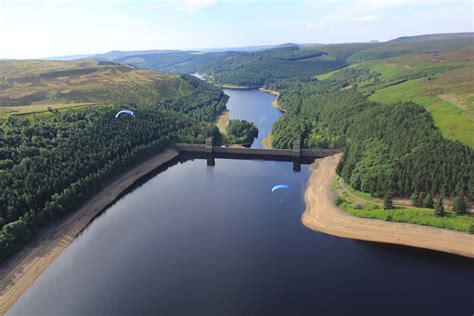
(128, 112)
(280, 187)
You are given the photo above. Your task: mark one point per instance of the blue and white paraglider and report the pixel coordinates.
(280, 187)
(128, 112)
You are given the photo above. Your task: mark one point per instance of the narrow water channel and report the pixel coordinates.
(199, 240)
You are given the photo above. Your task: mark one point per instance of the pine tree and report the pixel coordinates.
(428, 201)
(387, 202)
(459, 204)
(421, 198)
(414, 199)
(439, 210)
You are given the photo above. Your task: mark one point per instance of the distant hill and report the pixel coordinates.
(122, 54)
(256, 66)
(415, 44)
(179, 62)
(237, 49)
(259, 67)
(115, 54)
(68, 57)
(244, 68)
(33, 82)
(431, 37)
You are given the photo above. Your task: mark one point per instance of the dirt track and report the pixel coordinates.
(21, 271)
(322, 215)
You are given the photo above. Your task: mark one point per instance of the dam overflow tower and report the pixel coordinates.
(210, 150)
(297, 155)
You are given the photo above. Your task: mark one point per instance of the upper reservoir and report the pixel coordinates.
(199, 240)
(254, 106)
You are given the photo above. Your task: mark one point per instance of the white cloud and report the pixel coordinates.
(193, 6)
(367, 18)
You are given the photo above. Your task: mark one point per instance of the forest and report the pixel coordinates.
(241, 132)
(204, 103)
(51, 163)
(392, 149)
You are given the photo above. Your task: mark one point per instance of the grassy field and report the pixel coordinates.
(328, 75)
(38, 108)
(411, 66)
(453, 121)
(442, 82)
(419, 65)
(33, 82)
(427, 217)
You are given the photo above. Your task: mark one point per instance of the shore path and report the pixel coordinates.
(20, 271)
(323, 215)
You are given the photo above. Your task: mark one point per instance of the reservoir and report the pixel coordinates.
(200, 240)
(253, 106)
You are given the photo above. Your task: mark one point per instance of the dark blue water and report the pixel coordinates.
(254, 106)
(199, 240)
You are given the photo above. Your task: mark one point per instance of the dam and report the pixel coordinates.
(297, 155)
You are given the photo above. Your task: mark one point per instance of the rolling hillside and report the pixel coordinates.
(441, 82)
(288, 61)
(243, 68)
(38, 84)
(179, 62)
(429, 43)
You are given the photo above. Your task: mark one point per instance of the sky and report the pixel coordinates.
(45, 28)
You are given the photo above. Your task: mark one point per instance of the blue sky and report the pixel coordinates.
(33, 29)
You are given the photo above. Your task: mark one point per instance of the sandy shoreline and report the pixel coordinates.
(20, 271)
(322, 215)
(222, 121)
(235, 87)
(267, 141)
(275, 102)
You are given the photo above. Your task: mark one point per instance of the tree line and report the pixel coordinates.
(390, 149)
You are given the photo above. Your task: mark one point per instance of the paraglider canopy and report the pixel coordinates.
(280, 186)
(128, 112)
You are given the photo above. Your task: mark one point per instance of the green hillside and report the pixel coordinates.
(242, 68)
(392, 148)
(32, 82)
(441, 82)
(406, 121)
(291, 61)
(415, 44)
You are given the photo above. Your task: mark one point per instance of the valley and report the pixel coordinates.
(401, 111)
